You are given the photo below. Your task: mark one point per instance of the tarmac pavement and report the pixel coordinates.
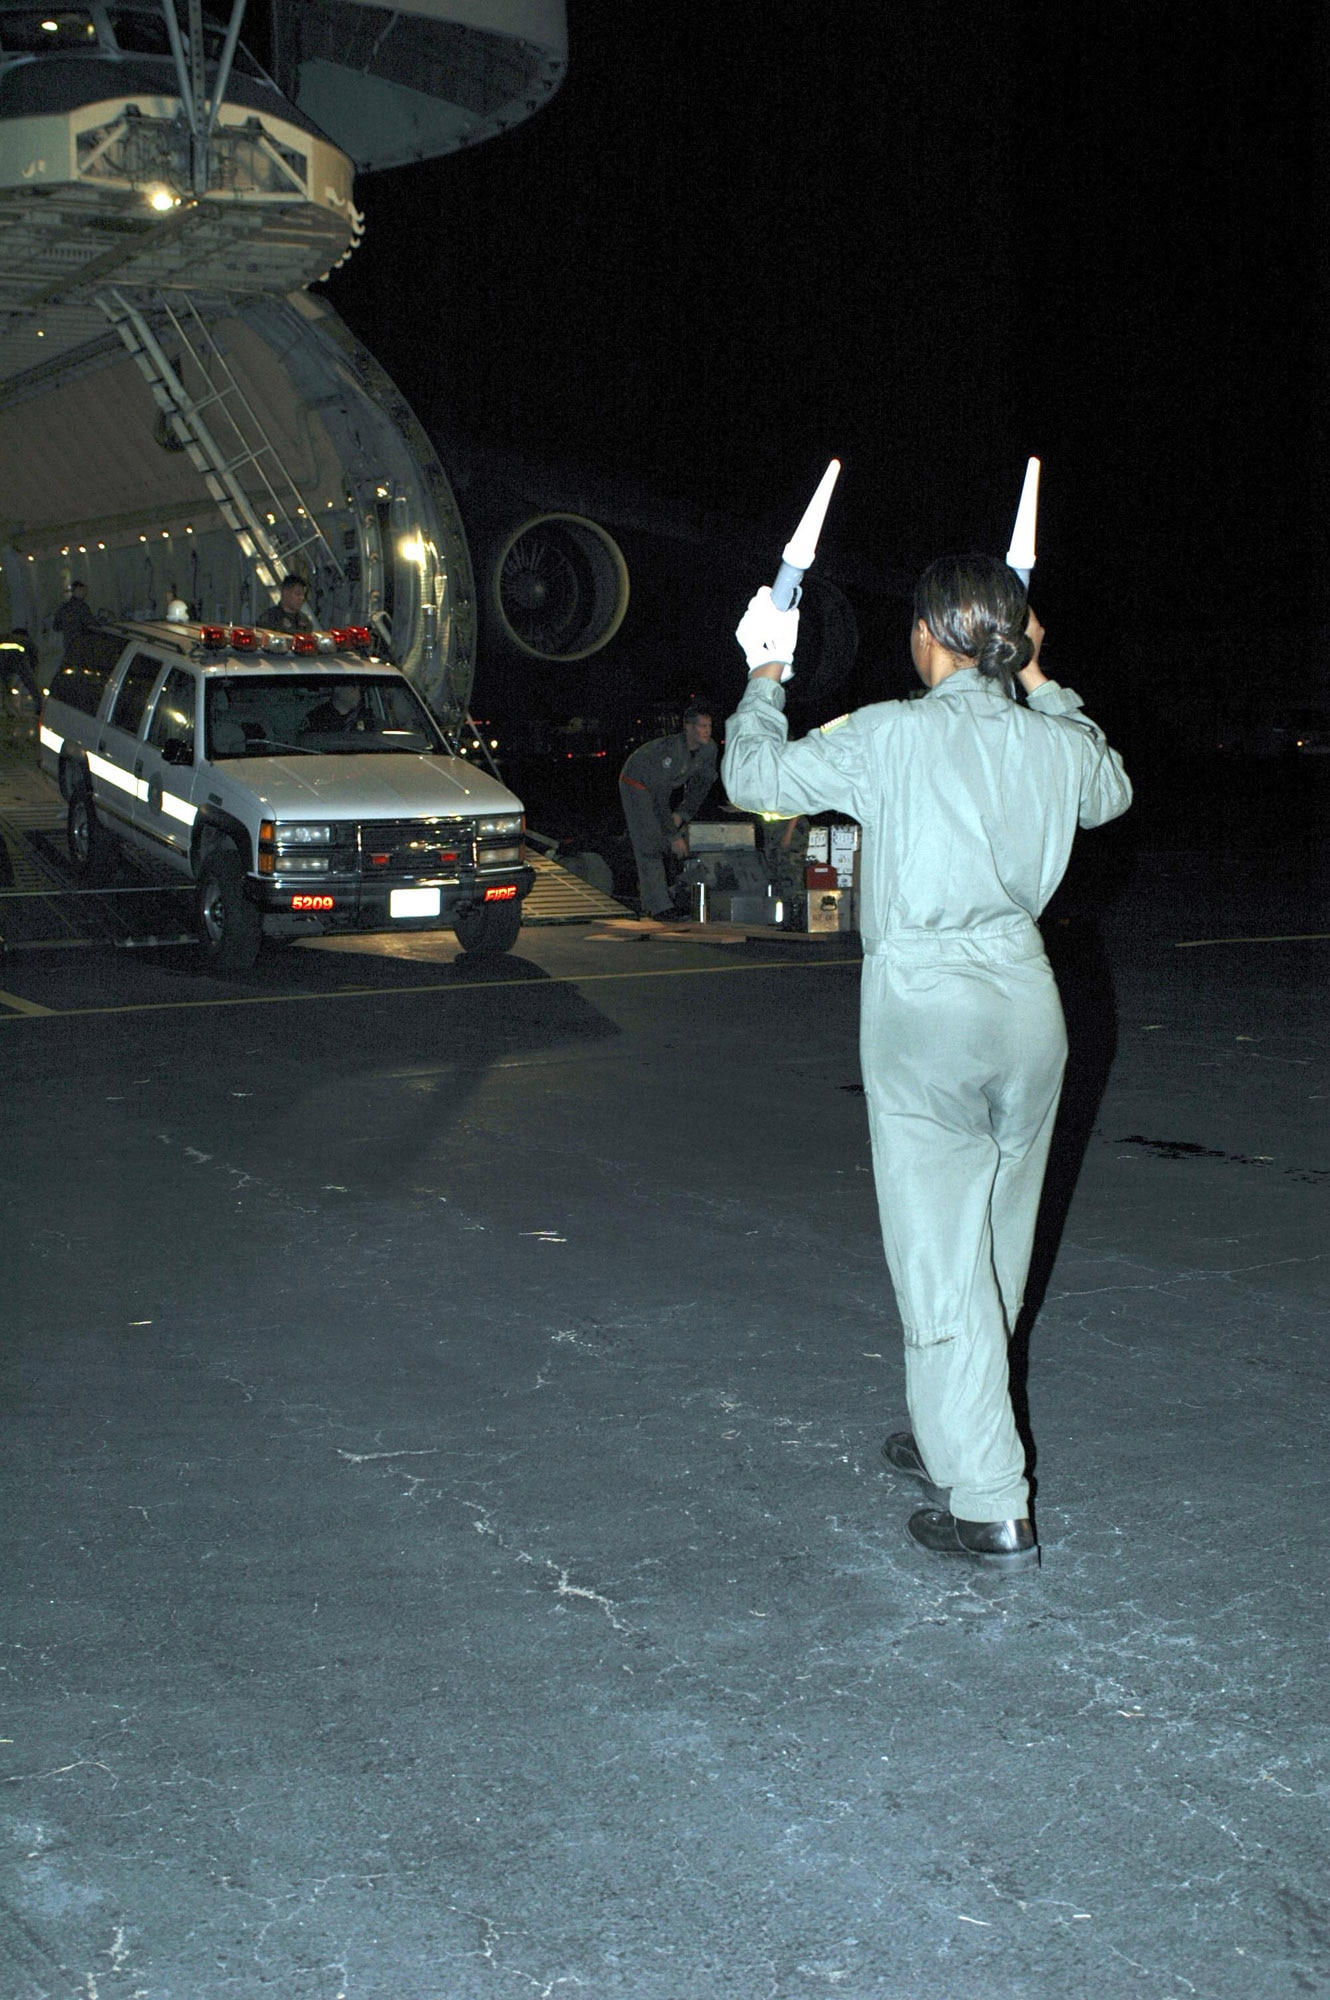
(451, 1555)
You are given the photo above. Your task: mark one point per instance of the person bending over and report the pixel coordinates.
(647, 784)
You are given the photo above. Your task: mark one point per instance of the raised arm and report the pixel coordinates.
(1105, 787)
(762, 770)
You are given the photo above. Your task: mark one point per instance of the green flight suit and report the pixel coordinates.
(969, 802)
(648, 780)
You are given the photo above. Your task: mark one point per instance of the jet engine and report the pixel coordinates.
(559, 584)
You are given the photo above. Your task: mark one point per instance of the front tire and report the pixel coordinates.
(230, 928)
(93, 852)
(489, 930)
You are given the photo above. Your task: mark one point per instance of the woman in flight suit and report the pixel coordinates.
(969, 800)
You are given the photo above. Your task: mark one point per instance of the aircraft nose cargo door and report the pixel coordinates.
(182, 417)
(425, 77)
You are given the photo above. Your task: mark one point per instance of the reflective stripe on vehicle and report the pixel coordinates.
(176, 808)
(113, 775)
(50, 741)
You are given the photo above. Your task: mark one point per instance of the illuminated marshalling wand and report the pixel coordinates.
(1020, 556)
(802, 546)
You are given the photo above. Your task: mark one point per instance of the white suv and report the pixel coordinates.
(298, 782)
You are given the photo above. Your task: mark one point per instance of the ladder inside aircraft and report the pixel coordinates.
(250, 486)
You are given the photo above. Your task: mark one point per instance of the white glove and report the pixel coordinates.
(767, 635)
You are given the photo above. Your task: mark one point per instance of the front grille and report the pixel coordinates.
(412, 847)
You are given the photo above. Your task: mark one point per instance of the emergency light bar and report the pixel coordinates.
(254, 639)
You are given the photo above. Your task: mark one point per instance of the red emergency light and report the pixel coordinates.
(244, 639)
(212, 635)
(351, 638)
(304, 642)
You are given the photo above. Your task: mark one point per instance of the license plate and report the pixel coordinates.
(414, 902)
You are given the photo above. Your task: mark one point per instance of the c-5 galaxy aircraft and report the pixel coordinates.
(181, 417)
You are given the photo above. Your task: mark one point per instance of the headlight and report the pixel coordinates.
(507, 827)
(303, 864)
(290, 834)
(496, 857)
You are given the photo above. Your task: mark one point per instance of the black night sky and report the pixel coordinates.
(932, 239)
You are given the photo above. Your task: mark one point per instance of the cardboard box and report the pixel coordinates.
(836, 847)
(844, 855)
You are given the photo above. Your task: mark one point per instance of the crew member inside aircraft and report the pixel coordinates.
(344, 710)
(288, 614)
(969, 800)
(657, 823)
(74, 616)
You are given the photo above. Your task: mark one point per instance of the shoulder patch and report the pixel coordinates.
(838, 722)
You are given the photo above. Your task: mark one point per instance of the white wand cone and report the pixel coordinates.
(1020, 556)
(802, 545)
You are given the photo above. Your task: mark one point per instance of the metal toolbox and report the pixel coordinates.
(829, 910)
(707, 836)
(729, 906)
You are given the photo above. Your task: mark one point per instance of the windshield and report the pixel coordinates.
(250, 716)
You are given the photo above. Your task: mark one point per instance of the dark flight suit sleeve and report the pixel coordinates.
(644, 776)
(701, 777)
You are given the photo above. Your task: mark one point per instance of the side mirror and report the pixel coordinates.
(175, 750)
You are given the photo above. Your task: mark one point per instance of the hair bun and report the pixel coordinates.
(1002, 656)
(976, 607)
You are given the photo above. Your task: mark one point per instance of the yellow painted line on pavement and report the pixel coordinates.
(23, 1006)
(1292, 937)
(441, 986)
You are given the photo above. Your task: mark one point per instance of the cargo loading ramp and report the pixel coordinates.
(559, 896)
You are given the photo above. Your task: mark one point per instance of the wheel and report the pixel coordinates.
(230, 928)
(92, 850)
(490, 929)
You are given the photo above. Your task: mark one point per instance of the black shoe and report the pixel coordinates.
(1005, 1545)
(902, 1455)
